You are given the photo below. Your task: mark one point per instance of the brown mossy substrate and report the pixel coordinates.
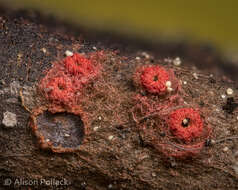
(114, 155)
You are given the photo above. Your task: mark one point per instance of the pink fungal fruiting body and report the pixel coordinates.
(154, 79)
(185, 124)
(68, 78)
(80, 67)
(60, 88)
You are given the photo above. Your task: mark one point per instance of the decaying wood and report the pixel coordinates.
(114, 155)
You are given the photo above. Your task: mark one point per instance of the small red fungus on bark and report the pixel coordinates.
(154, 79)
(68, 77)
(164, 121)
(186, 124)
(60, 125)
(58, 89)
(80, 67)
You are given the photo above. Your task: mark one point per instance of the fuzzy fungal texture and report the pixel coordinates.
(178, 132)
(78, 65)
(155, 79)
(186, 124)
(81, 68)
(172, 128)
(62, 87)
(58, 89)
(68, 78)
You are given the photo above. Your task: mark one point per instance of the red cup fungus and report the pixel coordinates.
(80, 67)
(60, 125)
(58, 89)
(186, 124)
(59, 131)
(156, 80)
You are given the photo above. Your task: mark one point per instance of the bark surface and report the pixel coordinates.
(114, 156)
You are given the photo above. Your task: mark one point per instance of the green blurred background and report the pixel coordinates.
(210, 21)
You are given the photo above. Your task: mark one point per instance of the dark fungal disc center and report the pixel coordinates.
(186, 122)
(156, 78)
(61, 129)
(61, 87)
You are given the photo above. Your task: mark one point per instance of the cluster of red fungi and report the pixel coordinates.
(62, 88)
(63, 84)
(183, 130)
(179, 130)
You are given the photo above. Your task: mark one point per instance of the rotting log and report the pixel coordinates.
(114, 155)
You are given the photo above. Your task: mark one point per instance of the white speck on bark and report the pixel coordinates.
(169, 89)
(68, 53)
(96, 128)
(153, 174)
(43, 50)
(225, 149)
(9, 119)
(229, 91)
(177, 61)
(168, 84)
(223, 96)
(195, 75)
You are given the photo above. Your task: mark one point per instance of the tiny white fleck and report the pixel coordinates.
(96, 128)
(9, 119)
(110, 137)
(95, 48)
(100, 118)
(169, 89)
(110, 186)
(229, 91)
(43, 50)
(184, 82)
(168, 83)
(237, 117)
(66, 135)
(225, 149)
(195, 75)
(153, 174)
(213, 141)
(68, 53)
(223, 96)
(137, 58)
(177, 61)
(47, 140)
